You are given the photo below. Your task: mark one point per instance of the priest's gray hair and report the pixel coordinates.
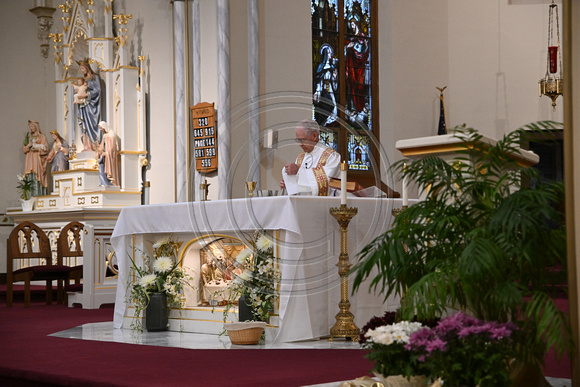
(310, 126)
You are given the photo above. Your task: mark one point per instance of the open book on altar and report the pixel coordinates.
(354, 188)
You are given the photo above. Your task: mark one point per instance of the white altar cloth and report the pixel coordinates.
(308, 249)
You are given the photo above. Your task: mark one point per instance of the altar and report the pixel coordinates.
(307, 245)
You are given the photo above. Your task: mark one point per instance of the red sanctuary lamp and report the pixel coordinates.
(553, 82)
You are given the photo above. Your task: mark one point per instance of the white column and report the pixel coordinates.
(179, 100)
(253, 93)
(196, 89)
(223, 116)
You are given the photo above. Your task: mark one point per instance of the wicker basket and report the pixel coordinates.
(245, 333)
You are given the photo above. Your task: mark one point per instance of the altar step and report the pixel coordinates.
(205, 320)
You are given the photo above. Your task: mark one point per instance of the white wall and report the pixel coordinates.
(497, 55)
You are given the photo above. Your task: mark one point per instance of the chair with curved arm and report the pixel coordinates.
(28, 244)
(69, 247)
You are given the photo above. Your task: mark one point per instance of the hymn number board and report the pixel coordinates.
(204, 137)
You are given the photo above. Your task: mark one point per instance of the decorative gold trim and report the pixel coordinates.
(204, 236)
(126, 152)
(73, 170)
(447, 148)
(417, 151)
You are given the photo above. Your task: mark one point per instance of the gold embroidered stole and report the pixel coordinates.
(318, 170)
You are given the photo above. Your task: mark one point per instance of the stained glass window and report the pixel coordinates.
(358, 152)
(342, 77)
(357, 52)
(329, 138)
(325, 61)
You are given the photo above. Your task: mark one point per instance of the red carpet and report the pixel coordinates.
(28, 357)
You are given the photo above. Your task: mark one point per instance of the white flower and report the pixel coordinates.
(388, 334)
(20, 177)
(163, 264)
(161, 242)
(147, 280)
(243, 256)
(263, 243)
(245, 276)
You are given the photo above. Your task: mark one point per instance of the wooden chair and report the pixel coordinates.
(69, 245)
(29, 242)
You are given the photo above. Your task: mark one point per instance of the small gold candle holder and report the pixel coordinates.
(397, 211)
(344, 326)
(251, 185)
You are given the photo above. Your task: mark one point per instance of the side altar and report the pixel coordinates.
(98, 148)
(307, 245)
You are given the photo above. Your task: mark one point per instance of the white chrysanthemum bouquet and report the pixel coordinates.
(162, 274)
(259, 278)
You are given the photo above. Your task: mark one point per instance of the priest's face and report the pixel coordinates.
(306, 141)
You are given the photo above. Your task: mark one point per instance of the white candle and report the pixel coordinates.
(343, 183)
(405, 194)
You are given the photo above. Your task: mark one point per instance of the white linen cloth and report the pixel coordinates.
(308, 250)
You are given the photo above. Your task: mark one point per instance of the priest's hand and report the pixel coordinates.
(282, 184)
(291, 169)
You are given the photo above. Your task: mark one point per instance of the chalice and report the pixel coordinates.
(251, 187)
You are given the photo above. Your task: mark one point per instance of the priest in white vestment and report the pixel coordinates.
(314, 167)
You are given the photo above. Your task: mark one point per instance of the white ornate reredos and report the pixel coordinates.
(87, 32)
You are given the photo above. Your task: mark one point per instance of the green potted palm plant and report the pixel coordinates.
(488, 239)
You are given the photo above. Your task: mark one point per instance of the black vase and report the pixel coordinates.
(156, 318)
(246, 310)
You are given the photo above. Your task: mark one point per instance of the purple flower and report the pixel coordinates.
(420, 338)
(436, 344)
(502, 330)
(455, 323)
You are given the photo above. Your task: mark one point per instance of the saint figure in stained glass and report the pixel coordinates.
(357, 54)
(326, 87)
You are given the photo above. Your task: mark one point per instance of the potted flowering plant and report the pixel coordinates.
(459, 350)
(464, 351)
(386, 338)
(25, 186)
(256, 286)
(159, 285)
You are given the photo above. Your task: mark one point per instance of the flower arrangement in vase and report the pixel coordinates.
(25, 187)
(161, 277)
(256, 286)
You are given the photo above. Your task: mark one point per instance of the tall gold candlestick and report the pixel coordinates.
(344, 326)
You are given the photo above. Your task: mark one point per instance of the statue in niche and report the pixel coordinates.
(36, 149)
(58, 154)
(108, 157)
(89, 111)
